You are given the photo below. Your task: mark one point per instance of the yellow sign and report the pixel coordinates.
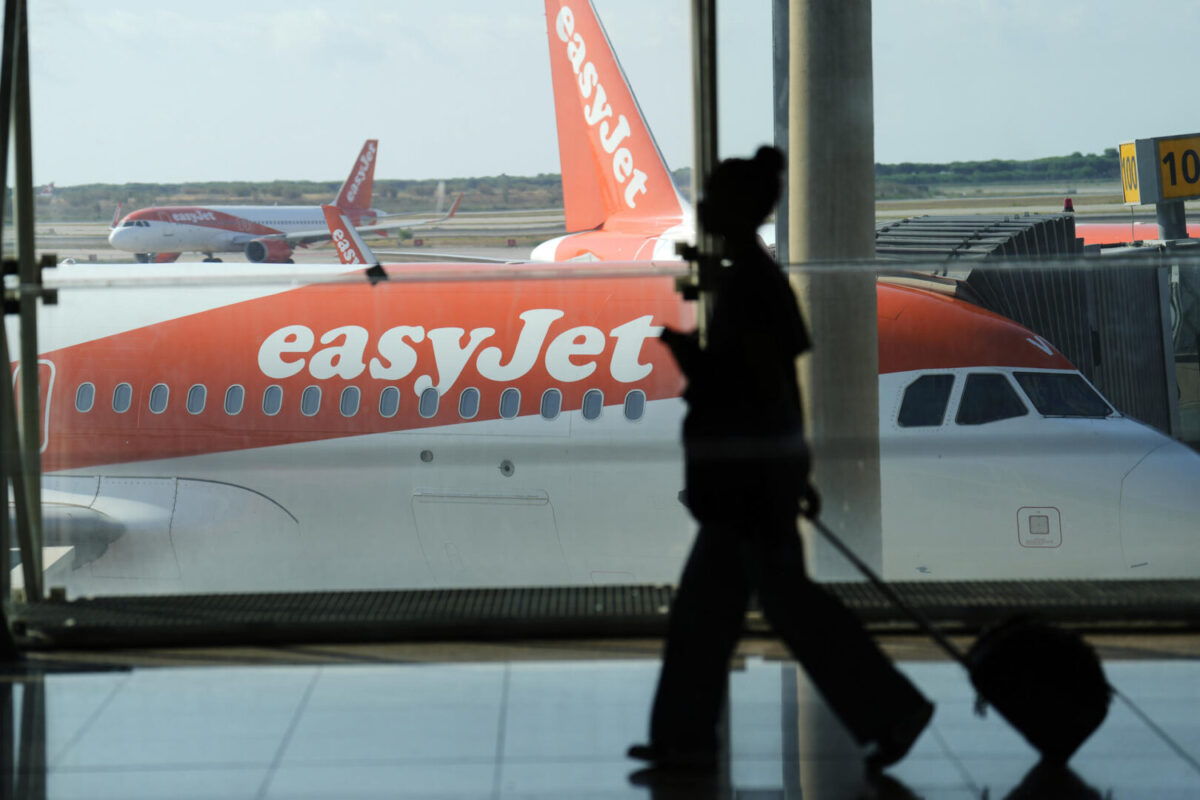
(1129, 173)
(1179, 166)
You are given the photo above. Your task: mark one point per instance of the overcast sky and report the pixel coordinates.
(162, 90)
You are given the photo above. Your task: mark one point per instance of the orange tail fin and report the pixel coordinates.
(356, 191)
(611, 166)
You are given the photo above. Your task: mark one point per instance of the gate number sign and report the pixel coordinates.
(1162, 169)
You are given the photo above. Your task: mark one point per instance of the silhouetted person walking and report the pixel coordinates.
(747, 477)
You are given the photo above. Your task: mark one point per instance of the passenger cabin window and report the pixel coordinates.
(389, 402)
(635, 404)
(427, 406)
(310, 401)
(85, 397)
(158, 398)
(510, 403)
(988, 398)
(1062, 394)
(468, 403)
(197, 396)
(551, 403)
(593, 402)
(272, 400)
(122, 398)
(348, 404)
(235, 398)
(925, 400)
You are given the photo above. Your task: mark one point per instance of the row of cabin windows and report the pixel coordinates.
(351, 398)
(989, 397)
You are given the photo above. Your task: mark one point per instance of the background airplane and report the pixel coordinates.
(262, 233)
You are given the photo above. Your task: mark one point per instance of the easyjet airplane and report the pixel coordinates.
(310, 427)
(263, 233)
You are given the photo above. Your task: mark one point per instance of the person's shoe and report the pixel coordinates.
(898, 738)
(669, 758)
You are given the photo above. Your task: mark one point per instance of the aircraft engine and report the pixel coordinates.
(272, 251)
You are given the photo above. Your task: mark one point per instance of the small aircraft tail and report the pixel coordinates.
(611, 165)
(116, 216)
(352, 250)
(356, 190)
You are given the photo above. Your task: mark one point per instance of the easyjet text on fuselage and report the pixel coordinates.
(569, 356)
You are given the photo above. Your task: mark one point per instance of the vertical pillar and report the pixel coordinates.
(31, 553)
(704, 132)
(1171, 217)
(832, 218)
(779, 86)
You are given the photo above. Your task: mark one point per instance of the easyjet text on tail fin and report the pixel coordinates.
(611, 166)
(356, 190)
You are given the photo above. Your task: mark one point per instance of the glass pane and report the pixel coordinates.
(158, 398)
(85, 396)
(310, 400)
(1057, 394)
(593, 402)
(349, 402)
(122, 397)
(235, 398)
(196, 398)
(988, 398)
(272, 400)
(389, 402)
(925, 401)
(551, 403)
(428, 404)
(635, 404)
(468, 403)
(510, 403)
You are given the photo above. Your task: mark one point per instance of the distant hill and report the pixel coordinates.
(96, 202)
(913, 180)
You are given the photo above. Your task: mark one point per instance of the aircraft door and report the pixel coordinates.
(46, 373)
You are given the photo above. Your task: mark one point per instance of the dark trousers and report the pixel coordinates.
(764, 555)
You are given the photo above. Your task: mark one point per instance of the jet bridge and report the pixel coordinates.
(936, 238)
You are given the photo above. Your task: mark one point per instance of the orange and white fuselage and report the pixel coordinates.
(517, 427)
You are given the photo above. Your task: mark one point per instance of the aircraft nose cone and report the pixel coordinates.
(122, 239)
(1160, 513)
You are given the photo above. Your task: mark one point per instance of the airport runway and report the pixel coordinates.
(510, 236)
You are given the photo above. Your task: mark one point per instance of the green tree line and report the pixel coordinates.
(97, 202)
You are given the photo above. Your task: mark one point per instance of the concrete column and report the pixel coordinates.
(832, 218)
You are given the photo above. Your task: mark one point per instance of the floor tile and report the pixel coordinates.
(437, 730)
(152, 784)
(352, 781)
(574, 710)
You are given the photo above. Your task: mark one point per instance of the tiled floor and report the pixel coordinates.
(545, 729)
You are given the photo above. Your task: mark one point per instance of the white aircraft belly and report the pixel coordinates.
(483, 507)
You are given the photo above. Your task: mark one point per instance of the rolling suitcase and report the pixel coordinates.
(1047, 682)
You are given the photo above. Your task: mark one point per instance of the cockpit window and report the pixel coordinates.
(1062, 394)
(988, 397)
(925, 401)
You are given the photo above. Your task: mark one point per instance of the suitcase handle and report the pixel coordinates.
(891, 594)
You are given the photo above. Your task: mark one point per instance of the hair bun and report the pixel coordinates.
(769, 158)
